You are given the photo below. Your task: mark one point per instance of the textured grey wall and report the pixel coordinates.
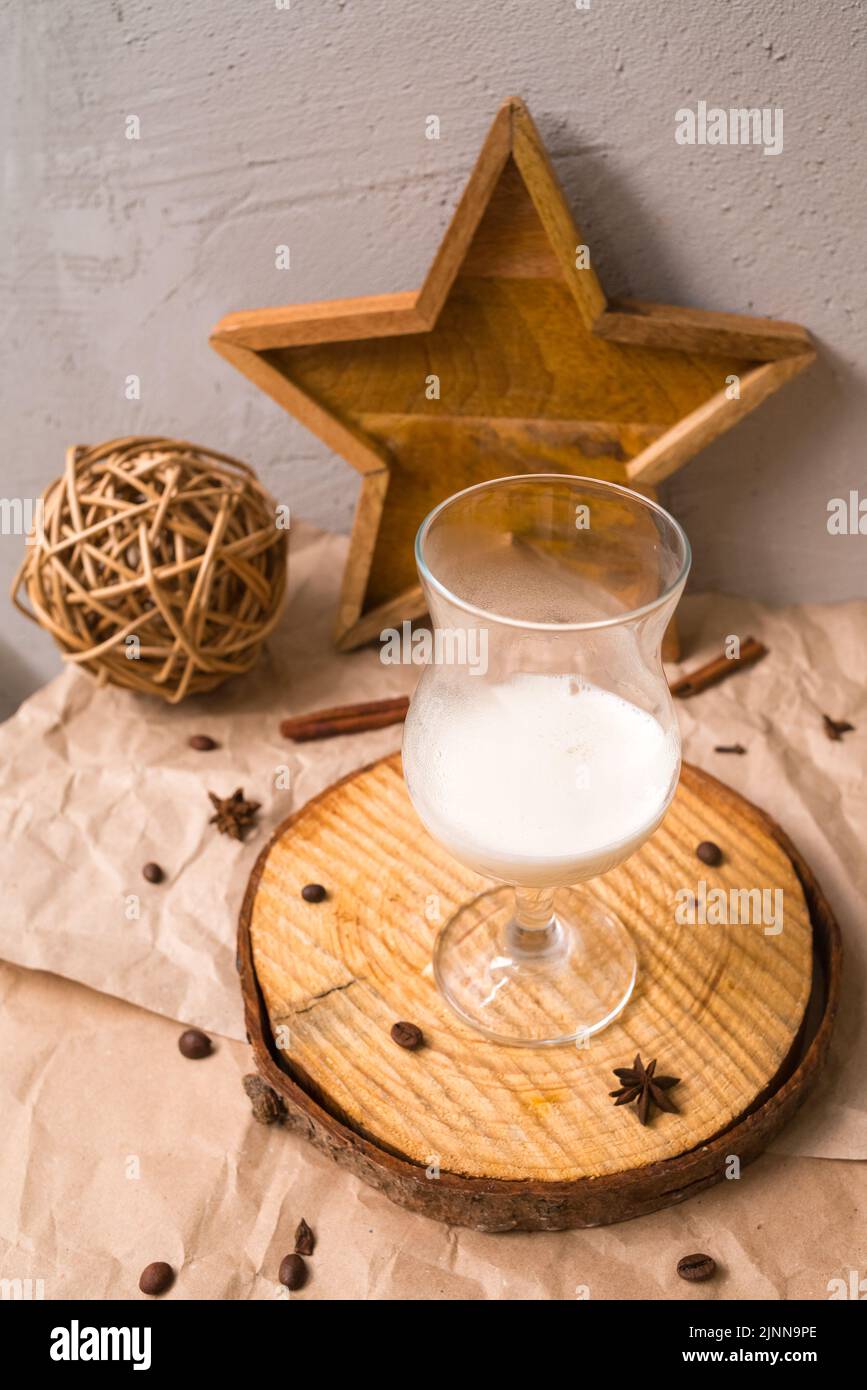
(306, 125)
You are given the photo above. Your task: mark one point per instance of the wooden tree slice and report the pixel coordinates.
(720, 1007)
(496, 1137)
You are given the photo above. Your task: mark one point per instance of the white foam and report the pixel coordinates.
(540, 780)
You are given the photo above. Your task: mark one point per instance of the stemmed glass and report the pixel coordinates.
(541, 746)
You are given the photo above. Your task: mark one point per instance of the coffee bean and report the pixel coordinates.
(194, 1044)
(304, 1239)
(153, 873)
(203, 743)
(293, 1272)
(709, 853)
(696, 1268)
(156, 1278)
(313, 893)
(407, 1035)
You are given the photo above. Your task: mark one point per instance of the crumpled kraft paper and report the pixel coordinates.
(116, 1151)
(96, 782)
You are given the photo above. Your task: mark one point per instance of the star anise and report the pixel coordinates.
(234, 815)
(836, 728)
(640, 1082)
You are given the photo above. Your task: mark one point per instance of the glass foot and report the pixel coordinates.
(556, 984)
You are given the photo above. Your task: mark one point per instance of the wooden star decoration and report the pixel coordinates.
(509, 359)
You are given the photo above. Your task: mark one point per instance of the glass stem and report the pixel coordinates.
(533, 930)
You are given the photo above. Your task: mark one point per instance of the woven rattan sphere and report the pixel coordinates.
(158, 565)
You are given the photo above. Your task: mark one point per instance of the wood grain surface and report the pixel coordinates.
(721, 1007)
(534, 371)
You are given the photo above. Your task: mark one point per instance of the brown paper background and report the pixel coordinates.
(88, 1081)
(95, 782)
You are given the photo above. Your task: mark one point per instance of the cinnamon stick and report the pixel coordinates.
(346, 719)
(380, 714)
(715, 671)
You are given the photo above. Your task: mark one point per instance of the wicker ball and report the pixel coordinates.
(158, 565)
